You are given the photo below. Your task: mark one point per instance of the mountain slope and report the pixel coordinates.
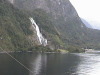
(14, 27)
(58, 22)
(16, 30)
(86, 23)
(62, 15)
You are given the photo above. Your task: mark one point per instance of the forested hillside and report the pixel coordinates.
(58, 22)
(64, 18)
(14, 28)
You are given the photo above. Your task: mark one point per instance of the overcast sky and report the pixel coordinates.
(88, 9)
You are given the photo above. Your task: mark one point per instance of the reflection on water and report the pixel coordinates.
(38, 64)
(90, 64)
(51, 64)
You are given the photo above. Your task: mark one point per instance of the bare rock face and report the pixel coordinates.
(62, 11)
(56, 7)
(11, 1)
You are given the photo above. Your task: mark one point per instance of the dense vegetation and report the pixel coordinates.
(70, 34)
(47, 27)
(73, 36)
(14, 28)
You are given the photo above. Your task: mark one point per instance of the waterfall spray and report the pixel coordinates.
(41, 39)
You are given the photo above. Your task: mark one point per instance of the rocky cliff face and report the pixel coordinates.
(57, 21)
(59, 9)
(61, 14)
(11, 1)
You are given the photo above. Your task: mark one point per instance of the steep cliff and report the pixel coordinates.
(14, 28)
(62, 18)
(26, 24)
(60, 14)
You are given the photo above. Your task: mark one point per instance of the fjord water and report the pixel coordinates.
(51, 64)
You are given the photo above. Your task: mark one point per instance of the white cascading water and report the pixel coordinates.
(11, 1)
(41, 39)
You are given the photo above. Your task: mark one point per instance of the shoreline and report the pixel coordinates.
(3, 52)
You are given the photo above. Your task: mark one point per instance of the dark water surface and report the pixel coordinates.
(51, 64)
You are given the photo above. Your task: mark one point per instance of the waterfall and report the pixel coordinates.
(41, 39)
(11, 1)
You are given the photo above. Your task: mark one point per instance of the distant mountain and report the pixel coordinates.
(95, 24)
(91, 24)
(86, 23)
